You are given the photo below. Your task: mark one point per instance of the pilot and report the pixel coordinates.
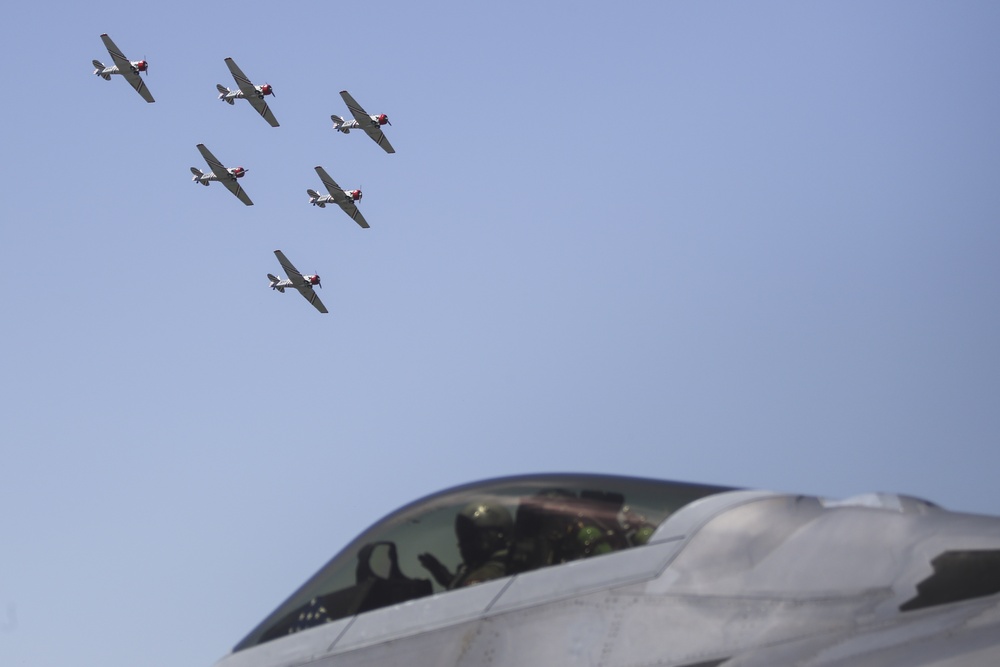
(484, 532)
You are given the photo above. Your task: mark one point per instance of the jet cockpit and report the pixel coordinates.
(479, 532)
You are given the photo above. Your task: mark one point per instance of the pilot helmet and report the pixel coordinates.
(592, 541)
(642, 534)
(483, 528)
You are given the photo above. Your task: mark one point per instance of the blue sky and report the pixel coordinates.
(751, 244)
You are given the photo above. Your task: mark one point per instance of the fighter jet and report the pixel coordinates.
(617, 571)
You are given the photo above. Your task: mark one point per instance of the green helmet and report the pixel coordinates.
(483, 528)
(642, 534)
(592, 541)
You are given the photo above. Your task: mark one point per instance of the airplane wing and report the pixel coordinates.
(224, 176)
(375, 133)
(365, 122)
(293, 274)
(348, 207)
(125, 67)
(217, 167)
(342, 200)
(300, 283)
(331, 185)
(260, 105)
(250, 93)
(357, 111)
(310, 295)
(234, 186)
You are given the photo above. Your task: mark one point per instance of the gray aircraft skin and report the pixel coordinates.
(626, 572)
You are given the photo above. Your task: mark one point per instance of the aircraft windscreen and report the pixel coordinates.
(479, 532)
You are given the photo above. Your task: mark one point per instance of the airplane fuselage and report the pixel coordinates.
(350, 196)
(280, 285)
(231, 95)
(206, 177)
(238, 94)
(322, 200)
(352, 124)
(347, 125)
(138, 66)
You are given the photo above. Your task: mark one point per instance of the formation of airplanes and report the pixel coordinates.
(229, 177)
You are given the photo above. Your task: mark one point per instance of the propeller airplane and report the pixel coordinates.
(343, 198)
(304, 284)
(226, 176)
(249, 92)
(129, 69)
(371, 124)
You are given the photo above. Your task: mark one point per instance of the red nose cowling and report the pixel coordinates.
(266, 89)
(141, 65)
(314, 279)
(383, 119)
(238, 172)
(356, 195)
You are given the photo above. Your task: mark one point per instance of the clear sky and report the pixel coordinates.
(752, 244)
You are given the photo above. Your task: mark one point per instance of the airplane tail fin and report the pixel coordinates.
(223, 91)
(313, 197)
(338, 123)
(274, 283)
(98, 68)
(197, 175)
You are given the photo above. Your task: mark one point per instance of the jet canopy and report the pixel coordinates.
(475, 532)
